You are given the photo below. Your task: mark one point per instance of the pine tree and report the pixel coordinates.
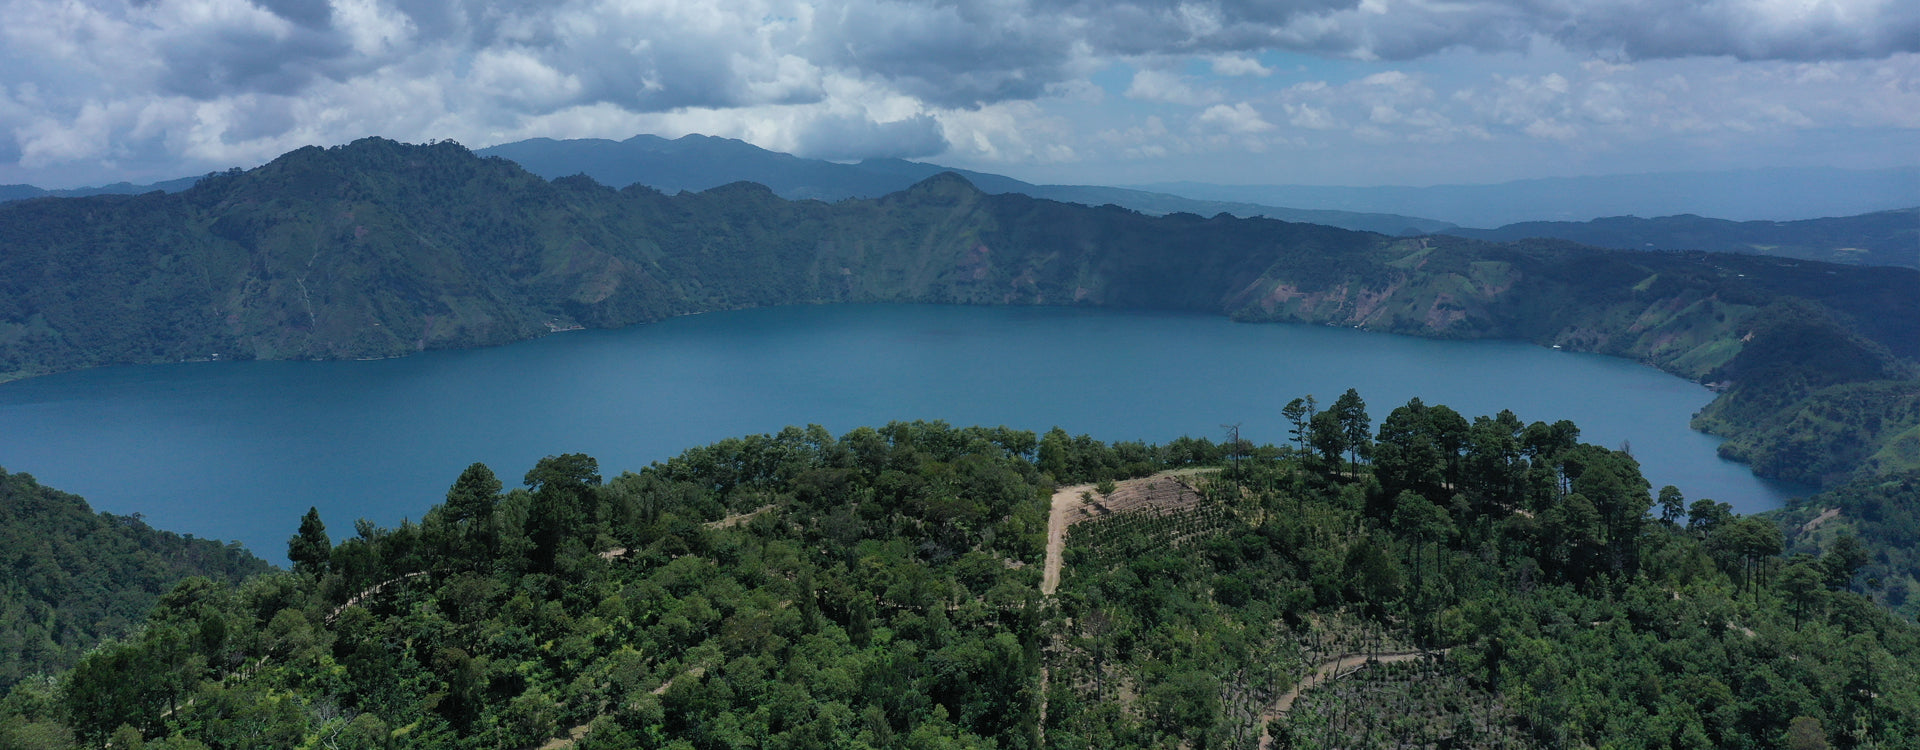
(310, 549)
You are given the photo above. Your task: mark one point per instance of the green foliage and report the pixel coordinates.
(880, 589)
(1865, 535)
(310, 549)
(74, 578)
(1580, 623)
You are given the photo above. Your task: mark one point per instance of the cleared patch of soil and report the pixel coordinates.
(1166, 492)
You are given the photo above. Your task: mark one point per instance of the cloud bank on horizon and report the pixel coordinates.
(1249, 91)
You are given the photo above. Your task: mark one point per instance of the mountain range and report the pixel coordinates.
(1778, 194)
(1891, 238)
(23, 192)
(696, 163)
(1884, 238)
(378, 249)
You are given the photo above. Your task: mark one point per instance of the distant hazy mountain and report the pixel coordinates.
(23, 192)
(1778, 194)
(698, 162)
(1882, 238)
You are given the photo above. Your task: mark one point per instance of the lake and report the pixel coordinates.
(239, 450)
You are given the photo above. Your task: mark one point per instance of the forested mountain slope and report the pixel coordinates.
(883, 589)
(1884, 238)
(380, 249)
(74, 577)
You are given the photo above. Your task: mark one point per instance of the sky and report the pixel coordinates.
(1345, 92)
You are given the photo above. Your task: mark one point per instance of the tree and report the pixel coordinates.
(1802, 584)
(1372, 575)
(1424, 522)
(1234, 447)
(1328, 439)
(473, 495)
(1299, 413)
(1494, 472)
(1054, 449)
(1449, 431)
(310, 549)
(562, 503)
(470, 505)
(1844, 558)
(1612, 482)
(1356, 427)
(1672, 505)
(1804, 733)
(1747, 541)
(1705, 516)
(1405, 456)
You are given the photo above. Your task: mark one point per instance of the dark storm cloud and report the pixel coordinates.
(653, 57)
(244, 60)
(313, 14)
(1645, 29)
(948, 54)
(1621, 29)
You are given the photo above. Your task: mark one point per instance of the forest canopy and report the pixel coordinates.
(1436, 579)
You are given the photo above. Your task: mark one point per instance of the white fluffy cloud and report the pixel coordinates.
(1240, 118)
(99, 89)
(1170, 88)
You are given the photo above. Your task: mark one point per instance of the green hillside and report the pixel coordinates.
(74, 577)
(380, 249)
(1483, 583)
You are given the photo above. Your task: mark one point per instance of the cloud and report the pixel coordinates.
(1239, 118)
(1170, 88)
(1239, 65)
(851, 138)
(1621, 29)
(177, 86)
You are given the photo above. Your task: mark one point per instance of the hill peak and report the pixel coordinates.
(946, 184)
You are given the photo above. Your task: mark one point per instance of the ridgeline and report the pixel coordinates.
(379, 249)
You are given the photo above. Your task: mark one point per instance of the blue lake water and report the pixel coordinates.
(238, 450)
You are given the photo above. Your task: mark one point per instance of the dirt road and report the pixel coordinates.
(1066, 504)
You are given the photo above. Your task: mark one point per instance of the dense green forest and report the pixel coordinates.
(1874, 519)
(1447, 581)
(74, 577)
(380, 249)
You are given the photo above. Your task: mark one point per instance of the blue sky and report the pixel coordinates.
(1135, 91)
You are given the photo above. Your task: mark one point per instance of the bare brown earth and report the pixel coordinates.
(1166, 492)
(739, 518)
(1825, 516)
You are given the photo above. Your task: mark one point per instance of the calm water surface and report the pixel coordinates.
(240, 450)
